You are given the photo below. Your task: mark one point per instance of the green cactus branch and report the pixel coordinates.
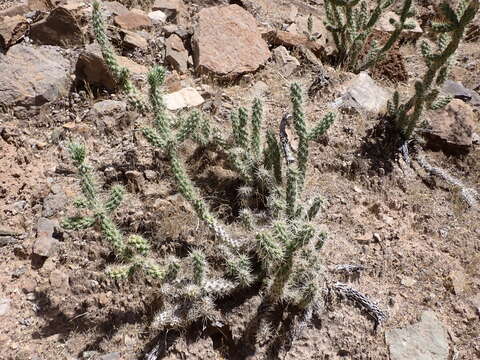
(438, 65)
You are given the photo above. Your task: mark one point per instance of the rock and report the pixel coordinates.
(384, 26)
(12, 29)
(45, 244)
(91, 67)
(109, 107)
(133, 20)
(114, 8)
(458, 282)
(293, 40)
(425, 340)
(157, 17)
(134, 40)
(363, 94)
(19, 9)
(111, 356)
(288, 63)
(171, 8)
(59, 28)
(408, 281)
(40, 5)
(33, 76)
(54, 203)
(227, 42)
(135, 180)
(184, 98)
(457, 90)
(4, 306)
(451, 128)
(175, 54)
(59, 280)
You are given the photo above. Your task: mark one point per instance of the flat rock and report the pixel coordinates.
(175, 53)
(109, 107)
(171, 8)
(60, 28)
(32, 76)
(45, 244)
(134, 40)
(12, 29)
(91, 67)
(451, 128)
(184, 98)
(425, 340)
(363, 94)
(54, 202)
(457, 90)
(293, 40)
(133, 20)
(227, 42)
(287, 62)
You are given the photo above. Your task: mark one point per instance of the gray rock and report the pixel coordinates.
(134, 40)
(363, 94)
(54, 202)
(171, 8)
(425, 340)
(456, 89)
(109, 107)
(4, 306)
(111, 356)
(33, 76)
(45, 244)
(114, 8)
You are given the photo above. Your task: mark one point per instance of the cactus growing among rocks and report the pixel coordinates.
(406, 116)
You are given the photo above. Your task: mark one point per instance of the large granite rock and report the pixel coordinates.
(227, 42)
(32, 76)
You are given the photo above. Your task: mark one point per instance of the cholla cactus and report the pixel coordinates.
(406, 116)
(351, 24)
(132, 252)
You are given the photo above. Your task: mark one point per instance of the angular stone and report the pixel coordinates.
(184, 98)
(134, 40)
(91, 67)
(157, 17)
(227, 42)
(363, 94)
(32, 76)
(175, 54)
(425, 340)
(59, 280)
(288, 63)
(133, 20)
(12, 29)
(451, 128)
(45, 244)
(59, 28)
(171, 8)
(293, 40)
(54, 203)
(18, 9)
(109, 107)
(457, 90)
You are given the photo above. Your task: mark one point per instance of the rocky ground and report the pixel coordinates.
(413, 232)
